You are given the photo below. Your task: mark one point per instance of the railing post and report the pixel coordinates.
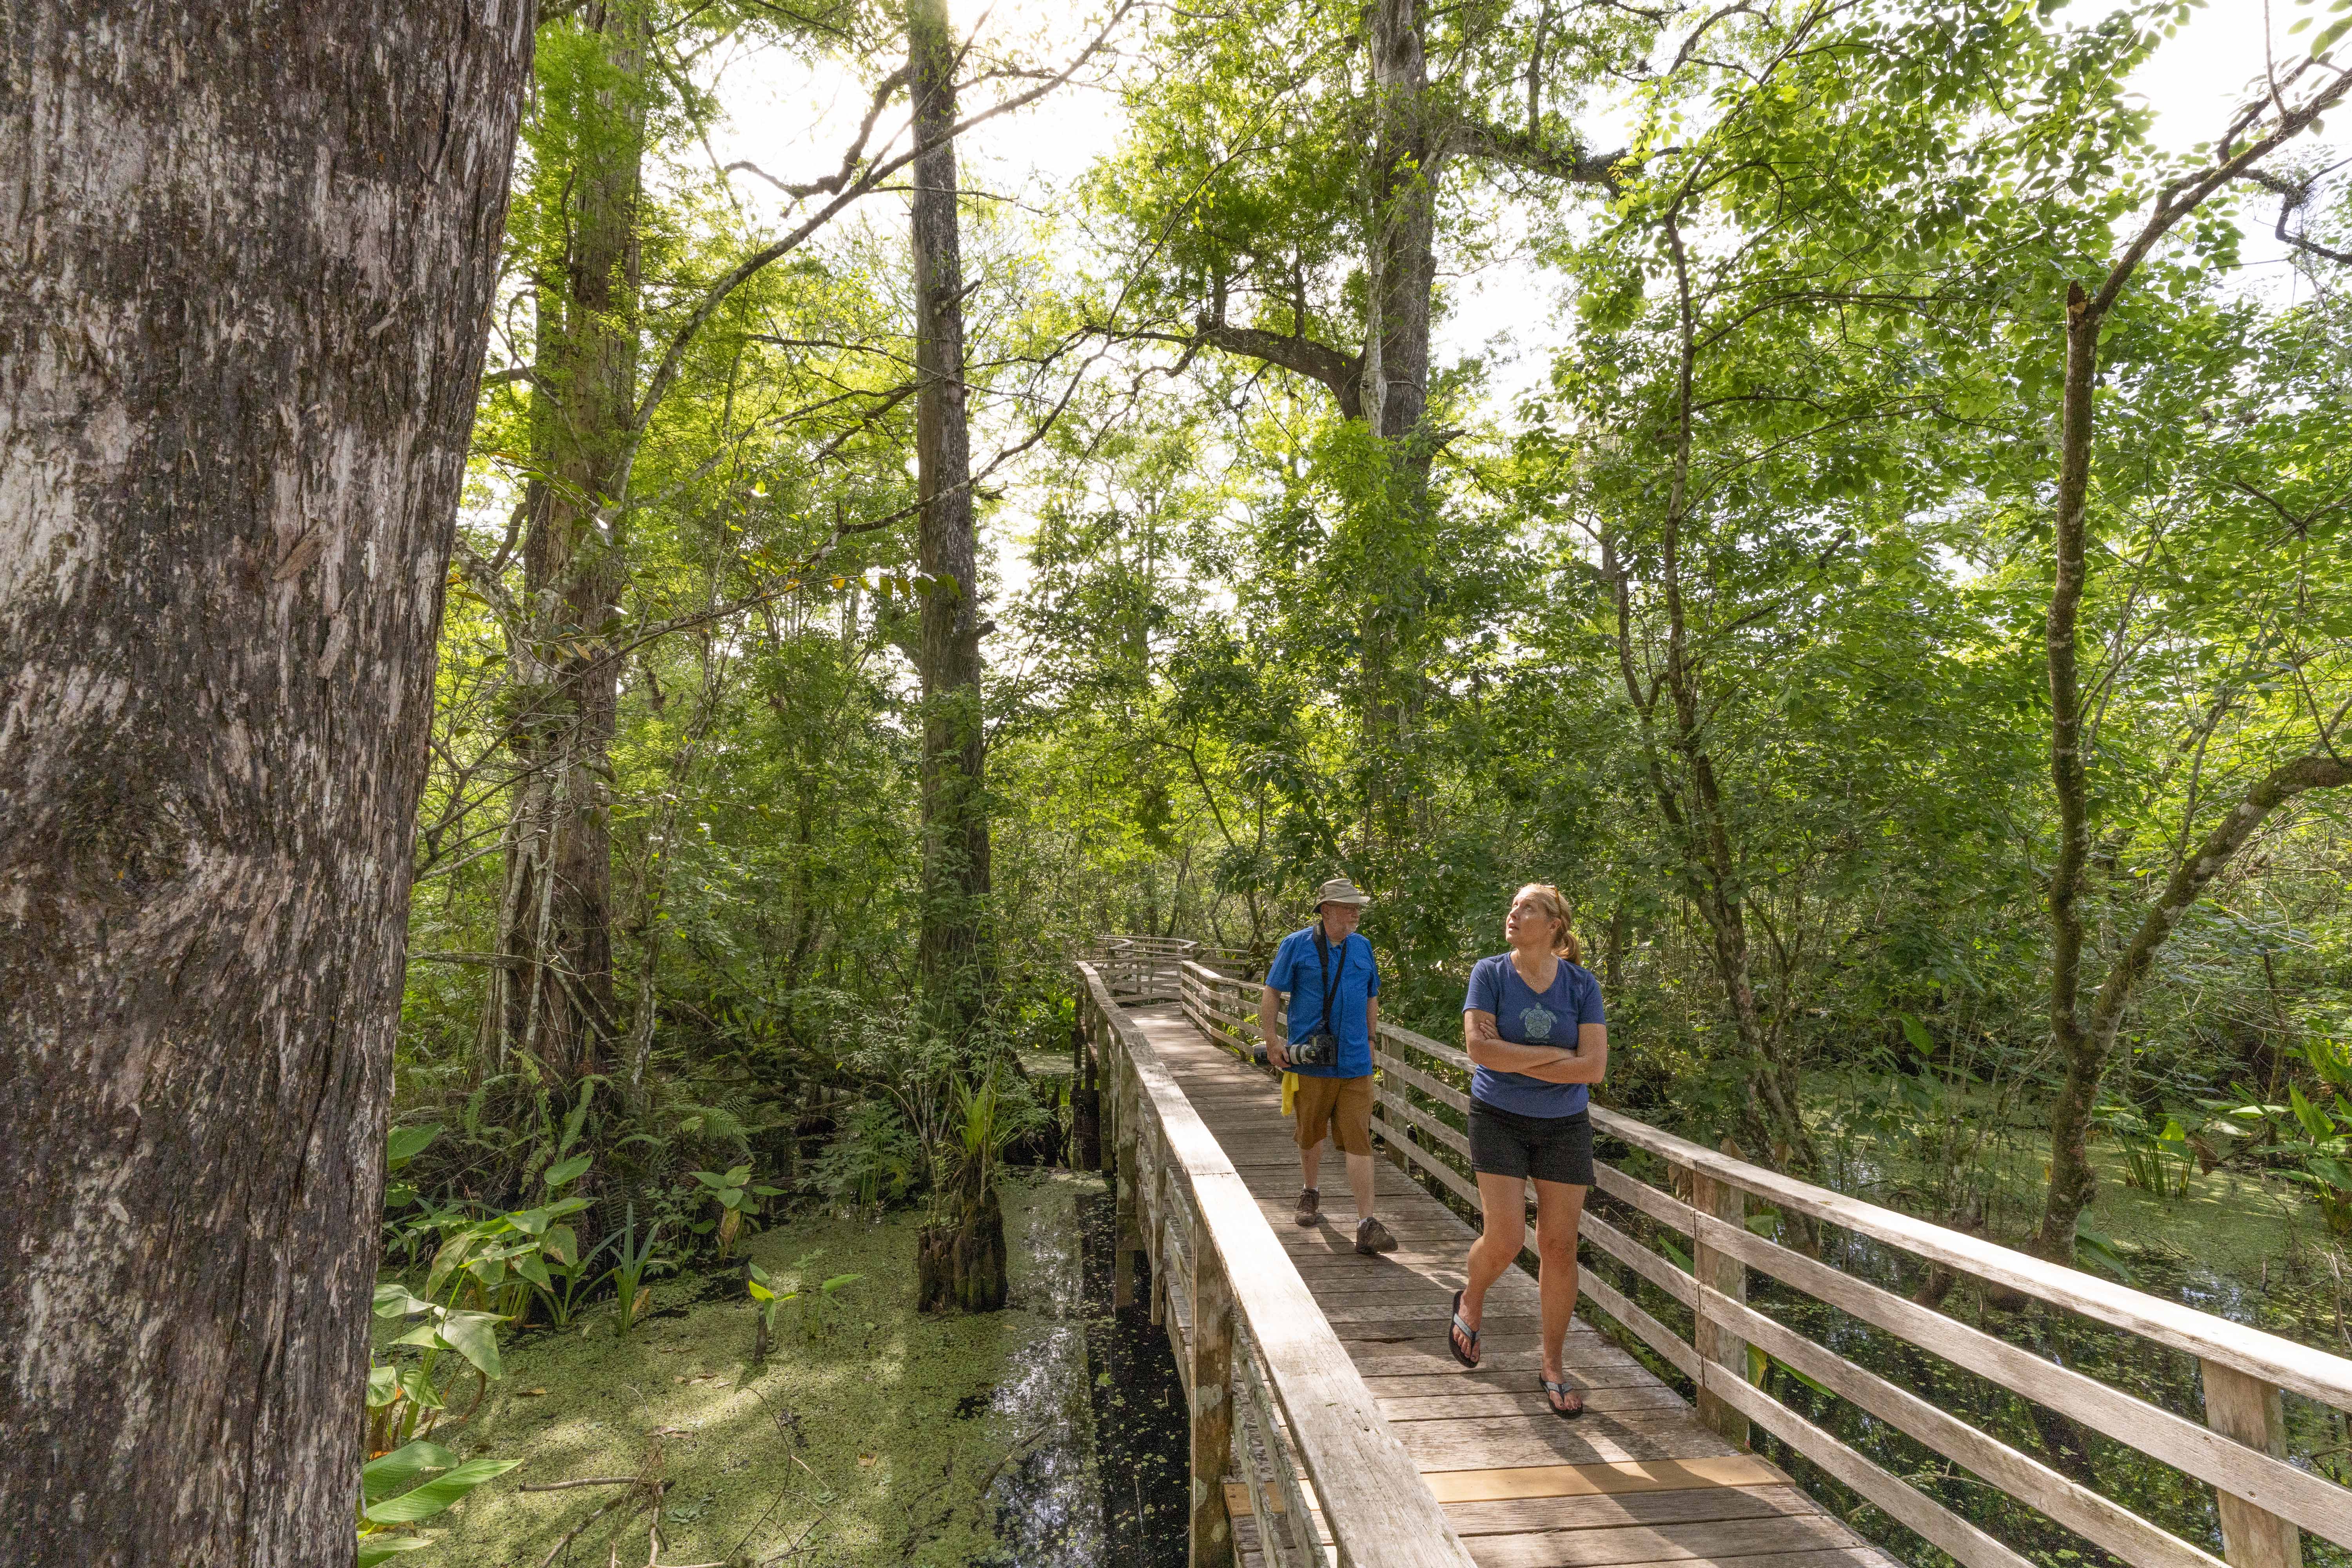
(2240, 1406)
(1111, 1057)
(1156, 1240)
(1721, 1271)
(1127, 1150)
(1086, 1102)
(1212, 1532)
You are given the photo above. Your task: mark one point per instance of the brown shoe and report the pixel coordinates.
(1373, 1237)
(1310, 1205)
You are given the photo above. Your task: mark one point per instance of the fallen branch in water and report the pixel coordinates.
(594, 1481)
(644, 1491)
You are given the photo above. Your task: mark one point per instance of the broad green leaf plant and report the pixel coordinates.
(818, 1304)
(485, 1275)
(393, 1495)
(736, 1197)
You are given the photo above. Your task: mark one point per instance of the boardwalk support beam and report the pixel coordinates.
(1211, 1530)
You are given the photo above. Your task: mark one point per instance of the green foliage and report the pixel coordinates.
(406, 1399)
(2094, 1248)
(1792, 438)
(871, 1165)
(736, 1197)
(2156, 1159)
(484, 1275)
(633, 1262)
(392, 1494)
(500, 1261)
(820, 1305)
(2310, 1136)
(404, 1231)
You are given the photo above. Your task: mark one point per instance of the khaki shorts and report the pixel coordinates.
(1340, 1106)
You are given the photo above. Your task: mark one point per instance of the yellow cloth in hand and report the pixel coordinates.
(1289, 1093)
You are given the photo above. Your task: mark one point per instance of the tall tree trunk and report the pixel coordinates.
(1401, 270)
(1402, 254)
(555, 1002)
(963, 1256)
(1700, 821)
(249, 256)
(953, 948)
(2084, 1046)
(2071, 1183)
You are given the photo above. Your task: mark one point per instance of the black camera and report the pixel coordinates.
(1319, 1050)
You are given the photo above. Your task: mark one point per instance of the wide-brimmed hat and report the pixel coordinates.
(1340, 891)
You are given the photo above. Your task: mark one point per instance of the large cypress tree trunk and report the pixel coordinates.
(250, 252)
(555, 1001)
(963, 1258)
(1402, 248)
(953, 947)
(1401, 263)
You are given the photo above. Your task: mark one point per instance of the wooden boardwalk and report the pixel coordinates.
(1638, 1479)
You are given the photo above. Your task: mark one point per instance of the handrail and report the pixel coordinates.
(2261, 1500)
(1146, 968)
(1198, 988)
(1247, 1301)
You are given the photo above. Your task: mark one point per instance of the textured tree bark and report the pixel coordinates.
(1401, 270)
(1401, 246)
(2072, 1182)
(557, 1004)
(962, 1261)
(952, 949)
(250, 252)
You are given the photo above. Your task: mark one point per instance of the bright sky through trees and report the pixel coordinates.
(791, 121)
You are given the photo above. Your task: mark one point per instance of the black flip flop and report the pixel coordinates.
(1467, 1332)
(1555, 1390)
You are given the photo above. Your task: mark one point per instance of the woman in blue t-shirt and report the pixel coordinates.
(1534, 1028)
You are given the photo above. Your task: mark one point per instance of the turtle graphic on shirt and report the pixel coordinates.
(1536, 1022)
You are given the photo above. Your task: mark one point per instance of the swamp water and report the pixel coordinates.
(1104, 1474)
(1051, 1435)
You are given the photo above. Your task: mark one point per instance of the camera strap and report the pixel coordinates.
(1322, 967)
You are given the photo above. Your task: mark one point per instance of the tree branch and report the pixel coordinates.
(2292, 196)
(1535, 154)
(2184, 195)
(2190, 879)
(845, 191)
(1342, 372)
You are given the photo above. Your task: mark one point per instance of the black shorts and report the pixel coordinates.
(1549, 1148)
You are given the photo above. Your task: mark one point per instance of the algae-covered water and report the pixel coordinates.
(1050, 1435)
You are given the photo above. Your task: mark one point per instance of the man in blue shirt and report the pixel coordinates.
(1335, 987)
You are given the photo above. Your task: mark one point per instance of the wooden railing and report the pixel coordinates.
(1221, 1007)
(1146, 968)
(1274, 1393)
(2262, 1500)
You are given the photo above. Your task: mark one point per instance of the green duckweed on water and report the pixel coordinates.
(871, 1438)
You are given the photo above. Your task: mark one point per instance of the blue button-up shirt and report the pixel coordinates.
(1355, 981)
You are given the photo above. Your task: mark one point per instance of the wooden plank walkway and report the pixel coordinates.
(1637, 1480)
